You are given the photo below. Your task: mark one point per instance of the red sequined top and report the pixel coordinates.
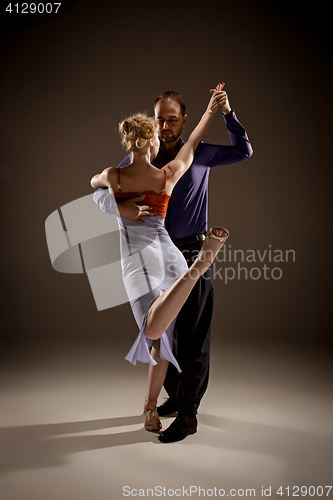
(158, 202)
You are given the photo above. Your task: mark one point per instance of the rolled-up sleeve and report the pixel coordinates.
(105, 201)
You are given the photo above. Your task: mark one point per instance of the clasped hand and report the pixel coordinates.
(129, 208)
(219, 99)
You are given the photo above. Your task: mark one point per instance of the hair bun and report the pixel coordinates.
(136, 130)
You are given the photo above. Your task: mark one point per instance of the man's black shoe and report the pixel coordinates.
(167, 408)
(180, 428)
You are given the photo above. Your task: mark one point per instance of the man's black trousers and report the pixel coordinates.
(192, 342)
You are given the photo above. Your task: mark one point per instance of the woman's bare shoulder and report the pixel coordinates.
(172, 167)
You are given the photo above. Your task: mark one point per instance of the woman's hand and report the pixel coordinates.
(220, 99)
(218, 87)
(213, 103)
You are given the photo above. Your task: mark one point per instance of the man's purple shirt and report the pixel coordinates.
(187, 211)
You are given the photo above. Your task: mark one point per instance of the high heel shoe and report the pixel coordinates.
(211, 234)
(152, 420)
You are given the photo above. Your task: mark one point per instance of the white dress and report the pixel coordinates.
(151, 263)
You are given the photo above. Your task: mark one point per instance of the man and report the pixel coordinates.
(186, 223)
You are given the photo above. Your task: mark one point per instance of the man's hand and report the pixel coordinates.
(132, 211)
(222, 98)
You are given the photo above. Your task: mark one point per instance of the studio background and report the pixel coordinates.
(67, 82)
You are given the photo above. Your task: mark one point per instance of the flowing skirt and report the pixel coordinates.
(151, 263)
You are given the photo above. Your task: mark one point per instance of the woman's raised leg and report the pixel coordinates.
(170, 302)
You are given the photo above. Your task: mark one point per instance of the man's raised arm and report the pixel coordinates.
(240, 148)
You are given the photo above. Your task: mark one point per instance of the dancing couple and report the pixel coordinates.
(156, 274)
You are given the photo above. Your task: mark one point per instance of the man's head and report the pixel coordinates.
(169, 111)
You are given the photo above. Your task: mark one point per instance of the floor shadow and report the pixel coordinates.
(50, 445)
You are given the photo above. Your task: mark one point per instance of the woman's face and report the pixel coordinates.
(155, 146)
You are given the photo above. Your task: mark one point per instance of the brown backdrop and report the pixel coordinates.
(68, 81)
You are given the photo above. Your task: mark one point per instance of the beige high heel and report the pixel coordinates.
(211, 234)
(152, 420)
(221, 239)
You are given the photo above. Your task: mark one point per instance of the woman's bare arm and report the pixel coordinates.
(102, 179)
(177, 167)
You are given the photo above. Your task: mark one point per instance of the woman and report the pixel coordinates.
(155, 272)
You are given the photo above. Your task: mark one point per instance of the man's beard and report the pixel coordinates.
(169, 137)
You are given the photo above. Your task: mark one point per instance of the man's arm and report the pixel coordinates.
(105, 201)
(240, 149)
(127, 208)
(184, 158)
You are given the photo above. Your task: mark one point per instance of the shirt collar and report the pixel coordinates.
(163, 157)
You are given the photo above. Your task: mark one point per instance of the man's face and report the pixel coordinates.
(169, 115)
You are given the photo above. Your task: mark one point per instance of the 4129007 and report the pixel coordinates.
(304, 491)
(33, 8)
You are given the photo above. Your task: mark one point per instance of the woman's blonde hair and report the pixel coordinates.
(136, 130)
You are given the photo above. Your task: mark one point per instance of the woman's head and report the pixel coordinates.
(137, 130)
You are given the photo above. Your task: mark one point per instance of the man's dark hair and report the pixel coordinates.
(173, 96)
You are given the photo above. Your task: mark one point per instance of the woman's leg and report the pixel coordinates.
(156, 376)
(170, 302)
